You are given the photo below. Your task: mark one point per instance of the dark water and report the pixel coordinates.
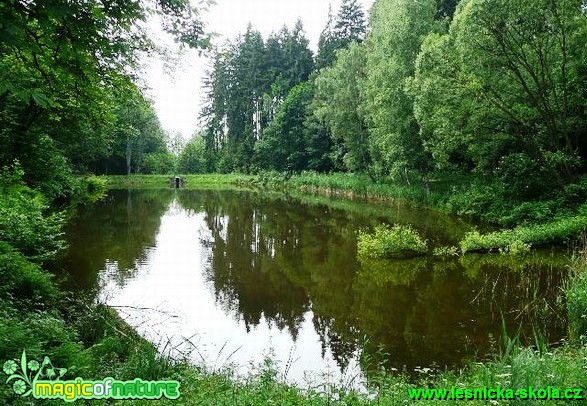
(233, 276)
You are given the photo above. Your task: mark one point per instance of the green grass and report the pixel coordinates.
(520, 239)
(93, 342)
(342, 184)
(162, 181)
(576, 294)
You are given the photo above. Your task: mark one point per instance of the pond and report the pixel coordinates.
(230, 277)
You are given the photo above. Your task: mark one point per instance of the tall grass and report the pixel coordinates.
(576, 294)
(521, 238)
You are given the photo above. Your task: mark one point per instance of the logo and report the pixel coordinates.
(42, 380)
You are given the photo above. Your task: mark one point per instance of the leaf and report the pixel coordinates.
(23, 362)
(60, 372)
(40, 100)
(15, 376)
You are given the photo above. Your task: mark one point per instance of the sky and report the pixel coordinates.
(175, 83)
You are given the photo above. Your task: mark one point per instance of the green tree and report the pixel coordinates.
(349, 26)
(193, 157)
(62, 65)
(245, 87)
(397, 29)
(350, 23)
(327, 43)
(337, 103)
(161, 163)
(283, 145)
(503, 90)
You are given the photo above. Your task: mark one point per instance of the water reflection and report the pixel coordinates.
(233, 275)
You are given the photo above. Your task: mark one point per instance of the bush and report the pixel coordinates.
(162, 163)
(24, 222)
(24, 280)
(389, 242)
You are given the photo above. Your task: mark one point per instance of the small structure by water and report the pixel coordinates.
(176, 182)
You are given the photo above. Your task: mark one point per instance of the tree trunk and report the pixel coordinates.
(128, 155)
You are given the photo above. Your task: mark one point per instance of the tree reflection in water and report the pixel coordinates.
(290, 264)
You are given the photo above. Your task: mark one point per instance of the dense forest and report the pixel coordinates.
(477, 107)
(69, 97)
(487, 95)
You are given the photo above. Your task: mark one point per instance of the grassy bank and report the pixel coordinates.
(524, 224)
(162, 181)
(93, 342)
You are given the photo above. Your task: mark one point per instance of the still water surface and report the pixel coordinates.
(233, 276)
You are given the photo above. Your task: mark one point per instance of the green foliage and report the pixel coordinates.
(389, 242)
(68, 74)
(95, 186)
(349, 26)
(283, 145)
(24, 280)
(159, 163)
(337, 102)
(249, 81)
(520, 239)
(398, 27)
(192, 158)
(24, 219)
(504, 117)
(576, 295)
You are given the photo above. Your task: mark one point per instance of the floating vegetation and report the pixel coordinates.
(397, 241)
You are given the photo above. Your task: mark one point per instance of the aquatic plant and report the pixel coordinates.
(391, 242)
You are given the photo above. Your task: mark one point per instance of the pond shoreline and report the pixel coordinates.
(105, 345)
(561, 230)
(566, 363)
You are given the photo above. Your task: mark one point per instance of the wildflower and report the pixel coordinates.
(33, 365)
(9, 367)
(19, 387)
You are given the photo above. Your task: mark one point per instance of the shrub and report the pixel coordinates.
(24, 222)
(24, 280)
(160, 163)
(389, 242)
